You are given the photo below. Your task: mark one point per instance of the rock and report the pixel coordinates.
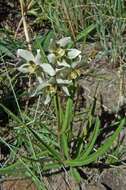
(114, 179)
(18, 185)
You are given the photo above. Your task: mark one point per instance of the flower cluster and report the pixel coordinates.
(60, 71)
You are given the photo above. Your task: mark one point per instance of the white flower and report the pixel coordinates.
(32, 61)
(28, 56)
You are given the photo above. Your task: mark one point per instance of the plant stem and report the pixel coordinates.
(58, 114)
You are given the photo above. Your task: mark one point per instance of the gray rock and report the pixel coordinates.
(114, 179)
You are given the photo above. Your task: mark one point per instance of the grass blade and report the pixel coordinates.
(11, 114)
(85, 32)
(53, 152)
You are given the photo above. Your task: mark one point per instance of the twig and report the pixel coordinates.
(19, 25)
(25, 26)
(28, 42)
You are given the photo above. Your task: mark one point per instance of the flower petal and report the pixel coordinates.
(25, 54)
(38, 60)
(40, 88)
(39, 79)
(73, 53)
(51, 58)
(61, 81)
(47, 68)
(64, 41)
(65, 89)
(63, 63)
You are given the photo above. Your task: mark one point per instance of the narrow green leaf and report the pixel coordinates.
(90, 146)
(47, 38)
(65, 127)
(4, 50)
(75, 174)
(42, 52)
(85, 32)
(17, 167)
(102, 150)
(68, 115)
(59, 111)
(64, 145)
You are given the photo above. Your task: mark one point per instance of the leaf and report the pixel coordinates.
(64, 145)
(17, 167)
(5, 50)
(75, 174)
(44, 58)
(85, 32)
(25, 54)
(46, 40)
(68, 115)
(73, 53)
(102, 150)
(90, 146)
(65, 127)
(47, 68)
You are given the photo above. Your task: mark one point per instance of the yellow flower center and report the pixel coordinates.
(60, 52)
(51, 89)
(32, 67)
(74, 74)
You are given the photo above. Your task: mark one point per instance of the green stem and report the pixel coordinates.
(58, 110)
